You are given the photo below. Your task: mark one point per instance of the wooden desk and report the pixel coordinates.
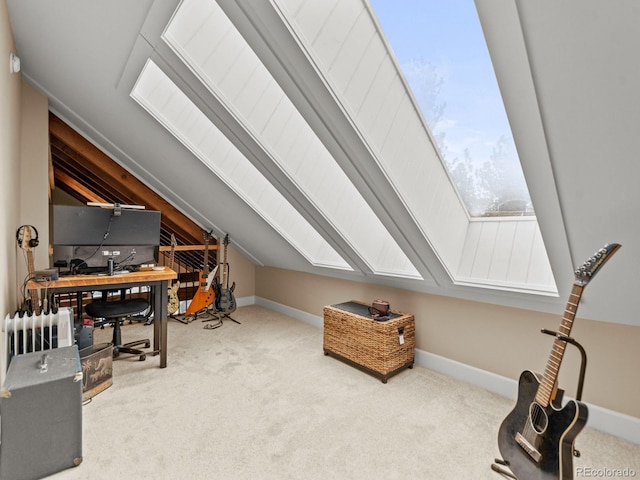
(157, 280)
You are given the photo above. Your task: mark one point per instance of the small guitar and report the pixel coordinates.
(536, 438)
(205, 294)
(225, 302)
(27, 243)
(174, 301)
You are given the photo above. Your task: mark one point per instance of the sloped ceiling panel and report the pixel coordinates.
(195, 33)
(155, 92)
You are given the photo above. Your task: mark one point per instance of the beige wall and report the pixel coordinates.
(10, 119)
(23, 172)
(34, 173)
(243, 272)
(496, 339)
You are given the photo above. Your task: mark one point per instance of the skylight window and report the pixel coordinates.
(155, 92)
(442, 52)
(204, 38)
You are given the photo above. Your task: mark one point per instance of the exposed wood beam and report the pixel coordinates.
(87, 156)
(62, 177)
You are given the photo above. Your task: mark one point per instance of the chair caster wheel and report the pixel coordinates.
(143, 358)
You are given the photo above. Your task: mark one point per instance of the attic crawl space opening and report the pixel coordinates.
(331, 120)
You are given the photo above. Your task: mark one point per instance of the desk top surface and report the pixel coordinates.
(99, 280)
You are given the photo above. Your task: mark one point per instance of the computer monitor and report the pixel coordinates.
(88, 237)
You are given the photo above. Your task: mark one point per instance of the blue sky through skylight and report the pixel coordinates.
(441, 49)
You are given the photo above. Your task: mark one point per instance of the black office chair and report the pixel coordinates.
(116, 312)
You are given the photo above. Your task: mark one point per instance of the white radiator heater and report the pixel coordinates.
(34, 333)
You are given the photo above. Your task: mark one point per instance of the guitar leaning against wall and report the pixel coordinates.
(27, 242)
(536, 438)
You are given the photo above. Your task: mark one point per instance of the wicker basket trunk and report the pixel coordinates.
(382, 348)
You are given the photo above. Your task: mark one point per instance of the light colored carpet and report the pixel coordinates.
(260, 400)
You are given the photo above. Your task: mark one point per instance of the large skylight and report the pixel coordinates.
(171, 107)
(441, 49)
(204, 38)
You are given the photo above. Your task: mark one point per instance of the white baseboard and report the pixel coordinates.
(608, 421)
(314, 320)
(245, 301)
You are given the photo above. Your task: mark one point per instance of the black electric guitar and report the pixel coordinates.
(27, 242)
(536, 438)
(225, 303)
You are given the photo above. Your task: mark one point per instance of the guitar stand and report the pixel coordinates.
(186, 320)
(219, 317)
(226, 315)
(583, 359)
(213, 326)
(499, 463)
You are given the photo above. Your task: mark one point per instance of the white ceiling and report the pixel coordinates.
(568, 73)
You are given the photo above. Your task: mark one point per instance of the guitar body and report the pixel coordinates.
(205, 294)
(174, 302)
(203, 297)
(225, 301)
(556, 441)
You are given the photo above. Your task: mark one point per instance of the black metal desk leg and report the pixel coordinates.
(161, 301)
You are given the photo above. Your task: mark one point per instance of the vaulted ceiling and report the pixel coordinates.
(568, 85)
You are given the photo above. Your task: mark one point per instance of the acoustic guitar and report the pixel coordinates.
(27, 243)
(536, 439)
(205, 294)
(174, 301)
(225, 301)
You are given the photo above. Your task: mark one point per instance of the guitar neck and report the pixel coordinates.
(173, 250)
(33, 293)
(224, 264)
(550, 377)
(205, 269)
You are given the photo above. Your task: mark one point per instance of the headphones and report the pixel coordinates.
(33, 242)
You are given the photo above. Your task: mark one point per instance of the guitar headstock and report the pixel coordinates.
(25, 238)
(226, 239)
(174, 243)
(585, 272)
